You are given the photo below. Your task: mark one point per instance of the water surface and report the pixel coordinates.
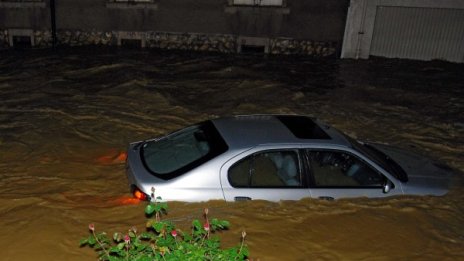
(65, 116)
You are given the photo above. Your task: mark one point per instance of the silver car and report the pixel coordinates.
(275, 157)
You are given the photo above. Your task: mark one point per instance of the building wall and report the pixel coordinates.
(412, 29)
(32, 15)
(300, 24)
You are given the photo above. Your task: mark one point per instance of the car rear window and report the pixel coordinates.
(303, 127)
(182, 150)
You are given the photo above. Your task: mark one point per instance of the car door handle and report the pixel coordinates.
(242, 198)
(326, 198)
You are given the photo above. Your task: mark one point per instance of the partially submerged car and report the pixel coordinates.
(275, 157)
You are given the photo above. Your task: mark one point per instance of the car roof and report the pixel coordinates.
(247, 131)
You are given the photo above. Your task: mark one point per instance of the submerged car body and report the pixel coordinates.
(275, 157)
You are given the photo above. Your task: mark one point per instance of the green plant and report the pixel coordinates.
(163, 241)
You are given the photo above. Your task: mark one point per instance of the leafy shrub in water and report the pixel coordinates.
(163, 241)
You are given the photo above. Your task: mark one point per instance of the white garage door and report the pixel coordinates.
(419, 33)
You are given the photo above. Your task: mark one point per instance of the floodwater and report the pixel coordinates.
(66, 116)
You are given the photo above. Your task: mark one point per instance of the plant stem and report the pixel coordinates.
(153, 248)
(241, 246)
(203, 240)
(127, 252)
(100, 243)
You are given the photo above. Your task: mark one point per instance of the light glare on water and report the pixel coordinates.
(66, 119)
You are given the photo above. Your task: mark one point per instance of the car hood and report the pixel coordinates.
(425, 176)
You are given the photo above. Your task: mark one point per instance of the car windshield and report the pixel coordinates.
(182, 150)
(379, 158)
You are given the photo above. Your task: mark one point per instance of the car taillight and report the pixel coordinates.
(138, 194)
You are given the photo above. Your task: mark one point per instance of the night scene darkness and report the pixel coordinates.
(80, 80)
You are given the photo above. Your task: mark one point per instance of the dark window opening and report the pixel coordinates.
(131, 43)
(264, 3)
(253, 49)
(22, 42)
(131, 2)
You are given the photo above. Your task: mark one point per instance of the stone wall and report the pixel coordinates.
(302, 47)
(173, 41)
(196, 42)
(43, 39)
(80, 38)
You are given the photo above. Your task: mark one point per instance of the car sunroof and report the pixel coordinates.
(303, 127)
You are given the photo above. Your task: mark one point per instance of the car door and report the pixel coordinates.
(267, 174)
(341, 174)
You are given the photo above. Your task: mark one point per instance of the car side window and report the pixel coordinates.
(267, 170)
(341, 169)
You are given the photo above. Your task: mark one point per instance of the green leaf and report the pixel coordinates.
(91, 240)
(144, 258)
(113, 258)
(225, 223)
(83, 242)
(114, 249)
(140, 247)
(158, 226)
(164, 206)
(121, 245)
(245, 251)
(196, 224)
(149, 209)
(146, 235)
(187, 237)
(117, 237)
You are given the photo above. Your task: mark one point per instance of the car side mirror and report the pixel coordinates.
(387, 186)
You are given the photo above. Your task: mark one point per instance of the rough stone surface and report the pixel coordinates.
(42, 38)
(196, 42)
(80, 38)
(177, 41)
(302, 47)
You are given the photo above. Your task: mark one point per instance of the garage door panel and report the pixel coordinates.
(418, 33)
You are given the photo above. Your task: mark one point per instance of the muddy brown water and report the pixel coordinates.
(66, 115)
